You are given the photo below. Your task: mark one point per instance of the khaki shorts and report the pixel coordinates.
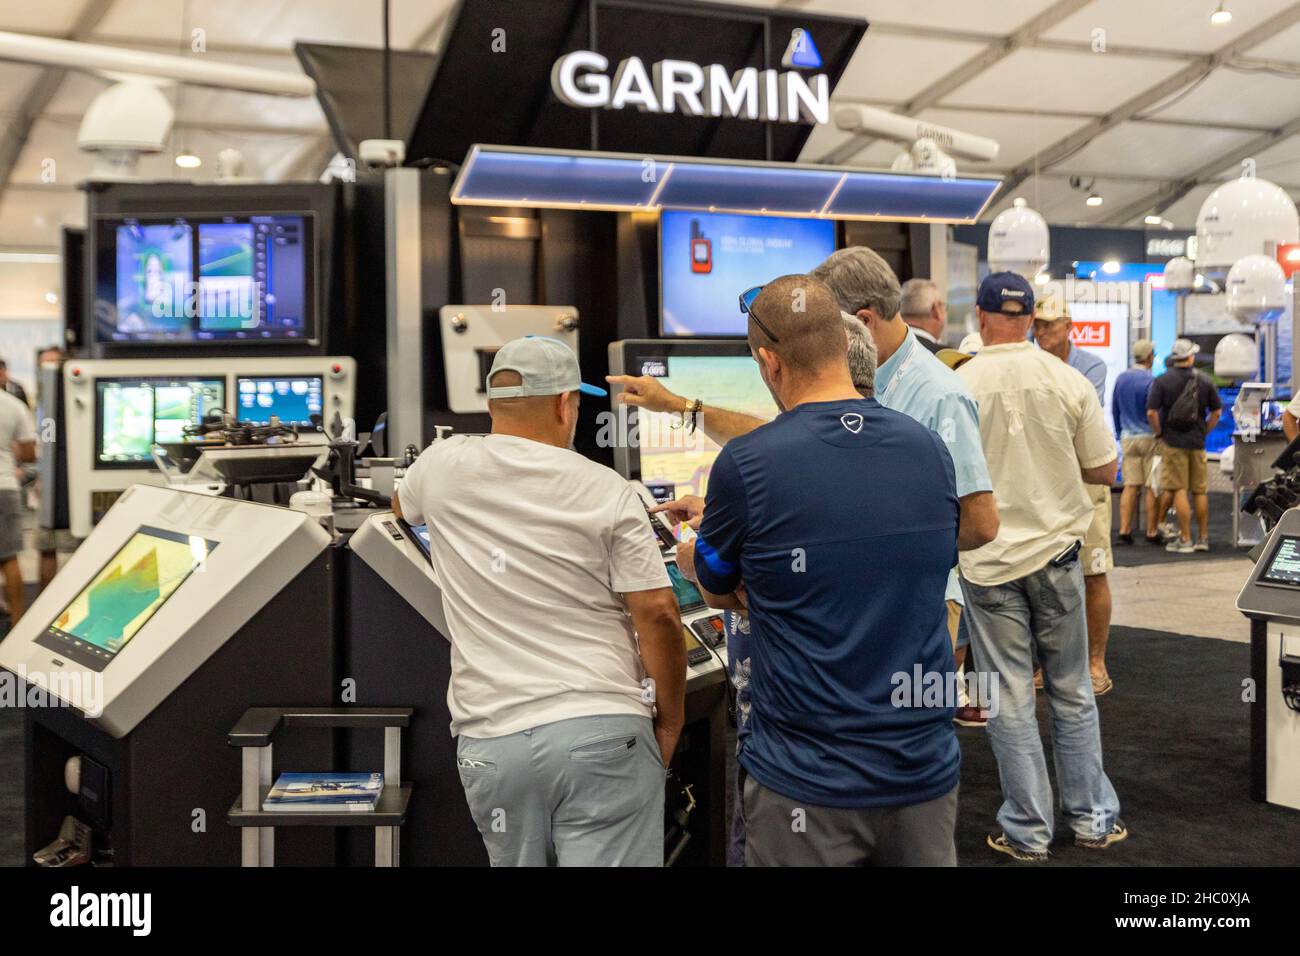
(1097, 557)
(1139, 454)
(954, 621)
(54, 539)
(1183, 469)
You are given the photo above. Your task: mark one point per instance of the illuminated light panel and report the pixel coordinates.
(624, 182)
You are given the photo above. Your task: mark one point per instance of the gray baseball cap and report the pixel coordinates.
(1183, 349)
(546, 365)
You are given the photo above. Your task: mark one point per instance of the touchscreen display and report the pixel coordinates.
(688, 595)
(1284, 566)
(119, 600)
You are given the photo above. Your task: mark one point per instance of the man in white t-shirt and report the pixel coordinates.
(17, 444)
(568, 665)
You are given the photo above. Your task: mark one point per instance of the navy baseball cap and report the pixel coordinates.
(999, 289)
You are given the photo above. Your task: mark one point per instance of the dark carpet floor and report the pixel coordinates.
(1176, 744)
(1140, 553)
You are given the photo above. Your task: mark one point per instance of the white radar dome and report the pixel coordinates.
(1236, 357)
(1018, 241)
(1241, 218)
(1180, 274)
(1256, 289)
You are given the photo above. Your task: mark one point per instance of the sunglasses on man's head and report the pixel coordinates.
(746, 306)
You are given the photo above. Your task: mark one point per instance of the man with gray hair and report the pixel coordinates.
(925, 311)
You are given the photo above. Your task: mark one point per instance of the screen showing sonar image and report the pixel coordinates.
(125, 594)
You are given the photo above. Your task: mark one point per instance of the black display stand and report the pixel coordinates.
(397, 658)
(170, 778)
(254, 735)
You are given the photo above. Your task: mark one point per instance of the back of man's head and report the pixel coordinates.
(803, 315)
(919, 297)
(860, 279)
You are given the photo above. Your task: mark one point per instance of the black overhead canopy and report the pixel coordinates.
(484, 95)
(349, 86)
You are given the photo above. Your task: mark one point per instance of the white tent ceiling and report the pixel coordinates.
(1144, 99)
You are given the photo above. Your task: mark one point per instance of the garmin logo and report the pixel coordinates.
(102, 910)
(941, 136)
(581, 80)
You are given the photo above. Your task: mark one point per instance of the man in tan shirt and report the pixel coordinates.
(1044, 437)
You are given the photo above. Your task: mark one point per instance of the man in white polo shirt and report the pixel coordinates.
(550, 573)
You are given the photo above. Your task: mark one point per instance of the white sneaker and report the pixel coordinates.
(1202, 545)
(1178, 546)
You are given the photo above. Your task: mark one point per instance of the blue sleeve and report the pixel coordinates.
(1115, 400)
(959, 428)
(1097, 375)
(724, 528)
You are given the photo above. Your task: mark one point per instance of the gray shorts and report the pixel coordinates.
(588, 791)
(780, 831)
(11, 523)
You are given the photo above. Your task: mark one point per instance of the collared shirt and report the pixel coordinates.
(1128, 403)
(914, 382)
(926, 339)
(1091, 367)
(1041, 422)
(828, 723)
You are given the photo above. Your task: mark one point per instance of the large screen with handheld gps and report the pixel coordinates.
(205, 279)
(134, 414)
(670, 460)
(293, 399)
(128, 590)
(707, 259)
(1284, 565)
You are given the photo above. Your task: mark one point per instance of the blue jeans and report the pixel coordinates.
(587, 791)
(1042, 613)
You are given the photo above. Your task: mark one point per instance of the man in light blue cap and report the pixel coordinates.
(568, 668)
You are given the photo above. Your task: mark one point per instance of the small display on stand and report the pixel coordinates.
(124, 595)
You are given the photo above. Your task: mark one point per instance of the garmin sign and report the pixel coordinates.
(581, 79)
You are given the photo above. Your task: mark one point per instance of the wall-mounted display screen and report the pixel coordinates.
(293, 399)
(706, 260)
(205, 279)
(137, 581)
(134, 414)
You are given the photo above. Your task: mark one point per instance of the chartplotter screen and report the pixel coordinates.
(672, 455)
(119, 600)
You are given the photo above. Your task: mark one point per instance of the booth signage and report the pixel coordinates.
(581, 80)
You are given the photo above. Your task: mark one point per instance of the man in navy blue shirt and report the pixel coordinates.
(840, 517)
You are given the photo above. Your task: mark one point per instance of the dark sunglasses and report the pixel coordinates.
(746, 306)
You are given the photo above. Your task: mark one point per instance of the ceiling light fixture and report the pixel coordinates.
(1153, 220)
(188, 160)
(1094, 199)
(1221, 16)
(52, 297)
(1110, 267)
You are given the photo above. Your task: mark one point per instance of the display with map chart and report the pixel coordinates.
(137, 581)
(670, 460)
